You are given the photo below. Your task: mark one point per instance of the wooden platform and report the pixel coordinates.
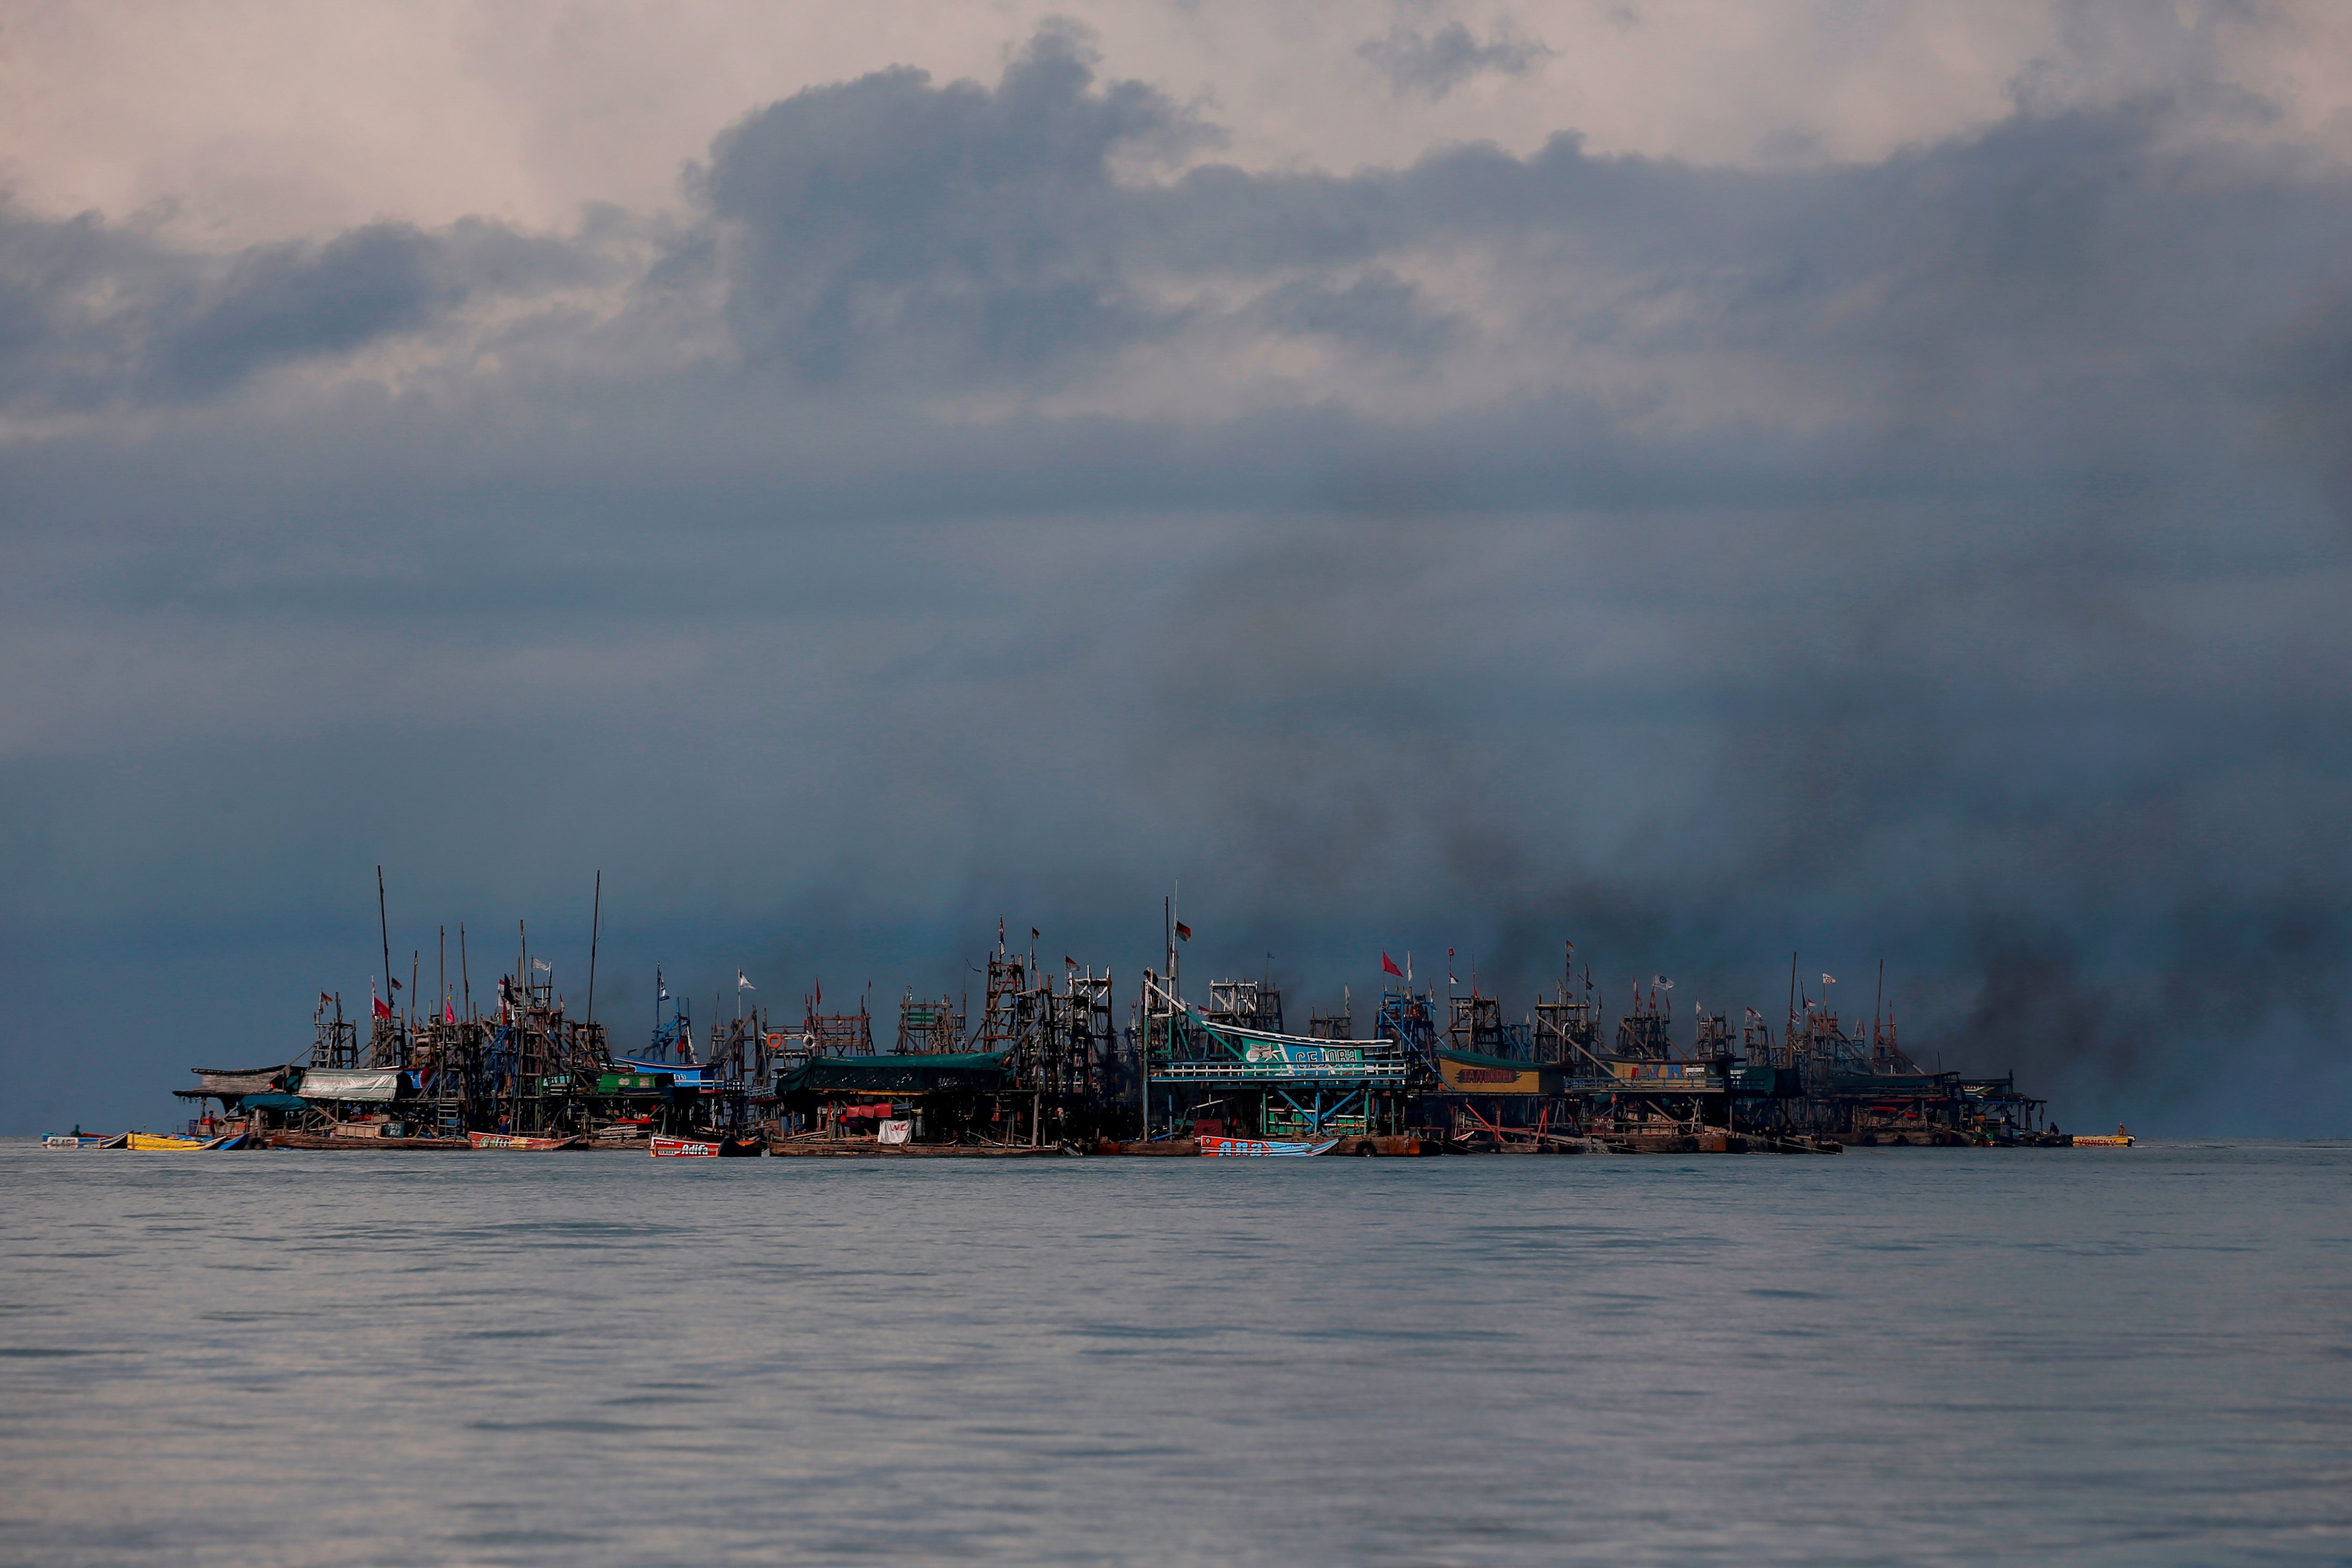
(868, 1149)
(1714, 1140)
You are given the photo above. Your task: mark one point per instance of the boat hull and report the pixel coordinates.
(517, 1142)
(683, 1148)
(165, 1144)
(324, 1141)
(84, 1141)
(1261, 1148)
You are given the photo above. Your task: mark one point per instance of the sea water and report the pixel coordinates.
(2119, 1355)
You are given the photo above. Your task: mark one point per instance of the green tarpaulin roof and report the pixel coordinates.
(978, 1070)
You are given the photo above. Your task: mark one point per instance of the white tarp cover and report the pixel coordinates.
(349, 1084)
(897, 1132)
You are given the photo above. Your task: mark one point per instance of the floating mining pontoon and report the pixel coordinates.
(1046, 1069)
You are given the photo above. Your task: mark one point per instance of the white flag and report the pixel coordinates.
(743, 985)
(543, 964)
(1829, 980)
(1662, 982)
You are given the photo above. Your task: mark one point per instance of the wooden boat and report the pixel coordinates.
(84, 1141)
(2103, 1140)
(873, 1149)
(717, 1147)
(1260, 1148)
(518, 1142)
(288, 1140)
(665, 1148)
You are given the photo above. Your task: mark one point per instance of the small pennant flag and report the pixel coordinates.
(1829, 980)
(1388, 967)
(1662, 982)
(661, 988)
(1183, 931)
(743, 985)
(448, 1012)
(377, 1004)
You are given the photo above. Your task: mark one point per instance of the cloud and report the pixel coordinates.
(973, 231)
(104, 315)
(1435, 63)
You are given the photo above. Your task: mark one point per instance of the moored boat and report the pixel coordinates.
(283, 1139)
(84, 1141)
(166, 1143)
(518, 1142)
(666, 1148)
(1260, 1148)
(2103, 1140)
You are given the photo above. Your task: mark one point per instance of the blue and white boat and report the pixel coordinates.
(1261, 1148)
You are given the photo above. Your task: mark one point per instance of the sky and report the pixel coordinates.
(1713, 483)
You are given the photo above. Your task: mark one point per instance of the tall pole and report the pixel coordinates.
(464, 977)
(595, 917)
(384, 930)
(521, 1026)
(1790, 1039)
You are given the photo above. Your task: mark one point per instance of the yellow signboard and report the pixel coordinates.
(1489, 1076)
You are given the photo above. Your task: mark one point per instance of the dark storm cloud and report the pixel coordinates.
(889, 226)
(955, 509)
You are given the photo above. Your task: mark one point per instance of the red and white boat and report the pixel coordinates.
(518, 1142)
(668, 1148)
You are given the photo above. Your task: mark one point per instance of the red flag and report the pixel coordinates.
(448, 1012)
(1388, 967)
(1183, 931)
(383, 1008)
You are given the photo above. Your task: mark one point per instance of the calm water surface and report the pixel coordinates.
(1920, 1355)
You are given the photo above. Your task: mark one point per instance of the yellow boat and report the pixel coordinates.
(164, 1141)
(2102, 1141)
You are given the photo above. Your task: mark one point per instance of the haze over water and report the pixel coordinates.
(2110, 1356)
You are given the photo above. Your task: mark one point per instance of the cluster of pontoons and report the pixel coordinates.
(1046, 1069)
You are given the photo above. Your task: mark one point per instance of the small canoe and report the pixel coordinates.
(1260, 1148)
(84, 1141)
(518, 1142)
(684, 1148)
